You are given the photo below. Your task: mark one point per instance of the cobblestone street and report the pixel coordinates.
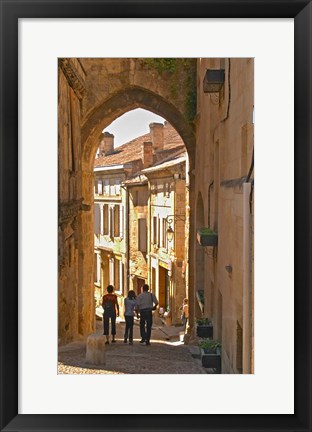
(165, 355)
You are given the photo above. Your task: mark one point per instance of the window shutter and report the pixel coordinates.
(111, 222)
(106, 187)
(116, 221)
(105, 217)
(121, 221)
(100, 190)
(155, 230)
(142, 235)
(97, 219)
(117, 187)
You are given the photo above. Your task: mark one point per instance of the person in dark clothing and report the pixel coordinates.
(111, 311)
(130, 309)
(146, 303)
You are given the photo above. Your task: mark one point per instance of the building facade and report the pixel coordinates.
(223, 202)
(167, 234)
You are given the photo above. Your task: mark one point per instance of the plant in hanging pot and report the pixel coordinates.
(204, 328)
(210, 354)
(207, 237)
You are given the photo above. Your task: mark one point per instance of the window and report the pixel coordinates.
(142, 235)
(116, 275)
(121, 221)
(112, 189)
(117, 270)
(100, 187)
(105, 219)
(106, 187)
(97, 219)
(164, 233)
(158, 231)
(117, 187)
(155, 224)
(111, 222)
(116, 221)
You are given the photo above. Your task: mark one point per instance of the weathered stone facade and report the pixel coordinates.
(75, 305)
(223, 201)
(167, 208)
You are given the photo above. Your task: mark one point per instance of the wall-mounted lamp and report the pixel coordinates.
(214, 80)
(170, 219)
(228, 268)
(170, 234)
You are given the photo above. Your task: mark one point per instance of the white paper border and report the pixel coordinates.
(271, 389)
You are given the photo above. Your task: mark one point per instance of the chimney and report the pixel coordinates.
(147, 154)
(157, 136)
(106, 144)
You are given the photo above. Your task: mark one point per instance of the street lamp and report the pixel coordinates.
(170, 234)
(170, 219)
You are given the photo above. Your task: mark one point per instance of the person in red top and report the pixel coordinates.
(111, 310)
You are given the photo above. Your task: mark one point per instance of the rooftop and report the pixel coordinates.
(132, 150)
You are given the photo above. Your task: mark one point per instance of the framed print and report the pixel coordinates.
(47, 51)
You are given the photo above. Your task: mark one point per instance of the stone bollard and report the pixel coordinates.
(95, 349)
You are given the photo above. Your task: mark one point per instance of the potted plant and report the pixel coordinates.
(207, 237)
(204, 328)
(211, 354)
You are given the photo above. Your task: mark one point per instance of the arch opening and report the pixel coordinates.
(126, 100)
(132, 216)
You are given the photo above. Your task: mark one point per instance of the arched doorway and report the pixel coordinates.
(84, 123)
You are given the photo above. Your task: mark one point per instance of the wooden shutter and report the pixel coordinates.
(142, 235)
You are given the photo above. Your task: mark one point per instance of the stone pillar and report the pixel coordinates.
(95, 349)
(86, 256)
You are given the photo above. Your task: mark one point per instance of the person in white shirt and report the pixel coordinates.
(146, 303)
(130, 308)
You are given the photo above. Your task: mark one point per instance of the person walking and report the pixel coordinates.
(130, 308)
(111, 310)
(146, 303)
(185, 313)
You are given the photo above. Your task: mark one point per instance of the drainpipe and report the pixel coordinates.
(247, 286)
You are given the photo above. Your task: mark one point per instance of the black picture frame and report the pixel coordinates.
(11, 11)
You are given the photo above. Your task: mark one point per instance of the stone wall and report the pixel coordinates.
(223, 158)
(74, 301)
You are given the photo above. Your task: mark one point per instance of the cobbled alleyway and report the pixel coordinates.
(165, 355)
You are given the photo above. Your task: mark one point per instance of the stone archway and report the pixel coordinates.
(126, 100)
(92, 93)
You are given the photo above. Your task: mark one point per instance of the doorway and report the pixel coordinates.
(139, 285)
